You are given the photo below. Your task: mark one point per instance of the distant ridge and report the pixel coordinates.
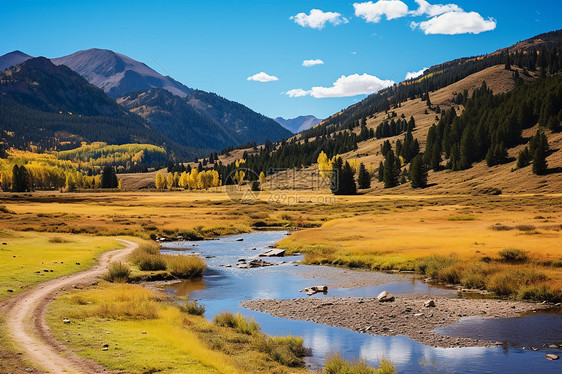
(12, 59)
(298, 124)
(118, 74)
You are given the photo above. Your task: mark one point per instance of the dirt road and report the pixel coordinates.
(25, 319)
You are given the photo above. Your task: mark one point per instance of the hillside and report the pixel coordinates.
(118, 74)
(48, 107)
(176, 119)
(353, 132)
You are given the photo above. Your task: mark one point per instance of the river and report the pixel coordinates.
(223, 288)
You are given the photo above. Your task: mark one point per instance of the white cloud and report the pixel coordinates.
(263, 77)
(345, 86)
(372, 12)
(434, 10)
(298, 92)
(317, 19)
(309, 63)
(454, 23)
(415, 74)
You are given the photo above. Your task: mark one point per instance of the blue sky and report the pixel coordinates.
(216, 45)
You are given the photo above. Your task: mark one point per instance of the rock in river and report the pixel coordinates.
(429, 304)
(385, 296)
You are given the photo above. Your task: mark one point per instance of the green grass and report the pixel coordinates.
(31, 258)
(167, 340)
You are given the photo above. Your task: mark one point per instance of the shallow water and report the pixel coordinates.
(222, 289)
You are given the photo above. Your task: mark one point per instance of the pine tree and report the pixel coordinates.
(524, 158)
(108, 177)
(381, 172)
(418, 172)
(390, 177)
(363, 178)
(343, 179)
(539, 162)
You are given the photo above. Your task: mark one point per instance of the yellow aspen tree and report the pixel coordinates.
(263, 180)
(170, 181)
(160, 181)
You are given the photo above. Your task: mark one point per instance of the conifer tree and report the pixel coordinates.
(524, 158)
(381, 172)
(363, 178)
(418, 172)
(390, 177)
(539, 162)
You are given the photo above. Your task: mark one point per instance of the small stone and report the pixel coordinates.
(553, 346)
(429, 304)
(105, 349)
(551, 357)
(143, 332)
(10, 290)
(65, 320)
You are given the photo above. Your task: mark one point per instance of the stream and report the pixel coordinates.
(221, 289)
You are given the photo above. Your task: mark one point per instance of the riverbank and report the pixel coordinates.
(404, 316)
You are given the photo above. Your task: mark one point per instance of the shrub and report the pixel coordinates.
(182, 266)
(152, 263)
(432, 265)
(337, 365)
(535, 293)
(508, 282)
(525, 227)
(500, 227)
(118, 272)
(58, 239)
(513, 255)
(238, 322)
(148, 258)
(287, 350)
(191, 307)
(477, 275)
(128, 310)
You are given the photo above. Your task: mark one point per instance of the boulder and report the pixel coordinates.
(273, 253)
(551, 357)
(240, 239)
(314, 289)
(429, 304)
(385, 296)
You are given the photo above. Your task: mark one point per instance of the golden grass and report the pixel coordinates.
(172, 342)
(452, 250)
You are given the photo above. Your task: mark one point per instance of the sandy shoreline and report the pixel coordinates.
(405, 316)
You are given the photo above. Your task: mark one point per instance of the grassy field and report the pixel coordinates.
(144, 333)
(513, 250)
(30, 258)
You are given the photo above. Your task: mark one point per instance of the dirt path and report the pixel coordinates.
(25, 319)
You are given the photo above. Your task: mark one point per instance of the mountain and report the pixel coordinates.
(298, 124)
(196, 119)
(202, 120)
(178, 120)
(244, 124)
(12, 59)
(44, 106)
(118, 74)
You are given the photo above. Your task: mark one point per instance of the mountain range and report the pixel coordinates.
(111, 87)
(298, 124)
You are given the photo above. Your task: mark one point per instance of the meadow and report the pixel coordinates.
(507, 243)
(27, 258)
(146, 333)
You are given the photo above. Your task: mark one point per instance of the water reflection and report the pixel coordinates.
(222, 289)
